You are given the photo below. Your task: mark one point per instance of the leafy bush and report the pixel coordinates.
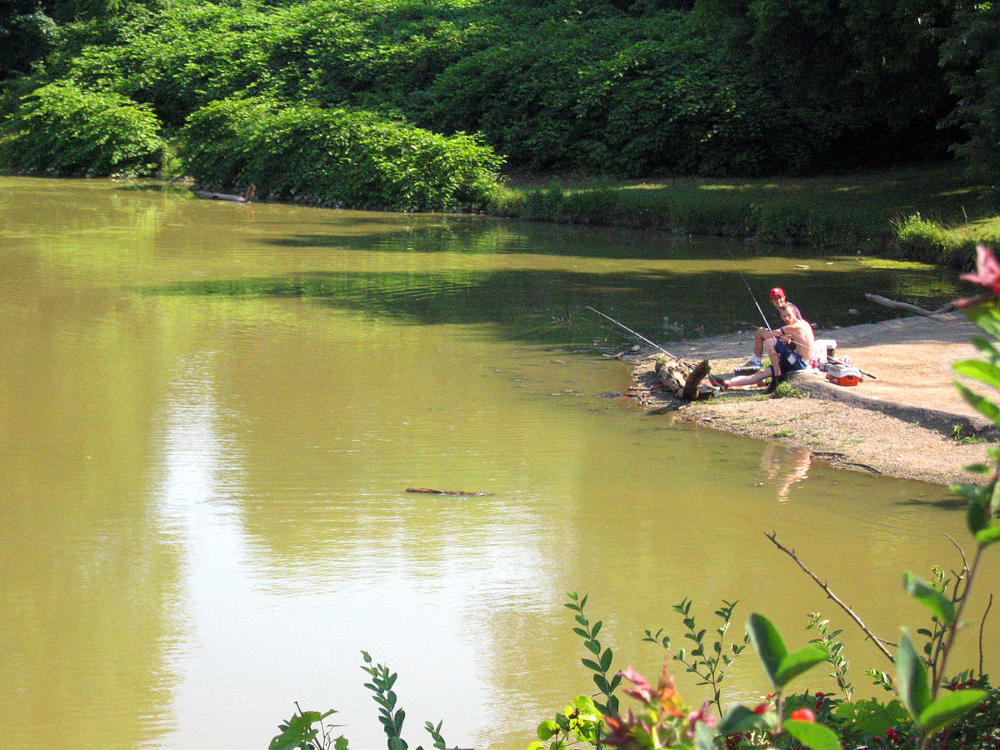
(180, 58)
(921, 239)
(188, 53)
(621, 87)
(61, 129)
(334, 157)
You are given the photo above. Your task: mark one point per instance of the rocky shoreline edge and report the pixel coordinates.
(908, 423)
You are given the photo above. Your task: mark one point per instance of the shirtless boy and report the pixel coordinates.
(778, 344)
(778, 299)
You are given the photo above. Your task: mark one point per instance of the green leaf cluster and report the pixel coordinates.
(930, 714)
(602, 659)
(390, 717)
(780, 666)
(334, 157)
(64, 130)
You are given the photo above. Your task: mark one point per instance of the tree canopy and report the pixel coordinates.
(643, 87)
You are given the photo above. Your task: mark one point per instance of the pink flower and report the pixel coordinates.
(987, 270)
(987, 275)
(702, 715)
(665, 696)
(640, 688)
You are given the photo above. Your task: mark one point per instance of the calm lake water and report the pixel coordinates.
(211, 413)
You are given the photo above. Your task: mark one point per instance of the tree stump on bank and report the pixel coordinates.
(683, 379)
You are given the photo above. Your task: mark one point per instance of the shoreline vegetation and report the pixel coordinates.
(700, 116)
(931, 213)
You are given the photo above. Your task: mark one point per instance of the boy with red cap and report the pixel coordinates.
(789, 348)
(778, 299)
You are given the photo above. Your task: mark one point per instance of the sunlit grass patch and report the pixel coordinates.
(916, 212)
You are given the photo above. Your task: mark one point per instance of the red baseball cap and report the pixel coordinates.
(777, 292)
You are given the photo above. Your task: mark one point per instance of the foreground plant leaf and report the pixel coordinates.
(988, 536)
(799, 661)
(949, 707)
(930, 597)
(740, 718)
(977, 515)
(815, 736)
(985, 372)
(911, 677)
(768, 644)
(986, 317)
(983, 405)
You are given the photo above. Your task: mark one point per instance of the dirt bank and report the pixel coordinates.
(901, 423)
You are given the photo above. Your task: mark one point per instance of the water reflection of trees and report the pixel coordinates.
(89, 578)
(549, 306)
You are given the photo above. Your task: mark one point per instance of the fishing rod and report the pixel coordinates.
(767, 323)
(639, 335)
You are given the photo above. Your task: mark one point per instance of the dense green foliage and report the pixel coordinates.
(711, 87)
(64, 130)
(971, 55)
(334, 157)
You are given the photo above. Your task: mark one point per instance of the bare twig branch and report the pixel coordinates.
(982, 624)
(956, 545)
(957, 624)
(879, 642)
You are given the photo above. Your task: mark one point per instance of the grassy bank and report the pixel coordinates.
(933, 213)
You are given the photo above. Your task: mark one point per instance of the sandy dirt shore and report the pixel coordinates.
(906, 419)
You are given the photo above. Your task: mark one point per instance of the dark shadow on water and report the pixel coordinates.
(471, 235)
(550, 307)
(171, 188)
(951, 503)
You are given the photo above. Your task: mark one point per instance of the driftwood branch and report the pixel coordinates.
(684, 380)
(879, 642)
(247, 197)
(886, 302)
(841, 458)
(427, 491)
(700, 371)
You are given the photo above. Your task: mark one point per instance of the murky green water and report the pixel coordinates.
(211, 413)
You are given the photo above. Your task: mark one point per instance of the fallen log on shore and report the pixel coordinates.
(896, 305)
(245, 198)
(683, 379)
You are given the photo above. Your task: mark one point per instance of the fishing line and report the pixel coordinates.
(634, 333)
(607, 330)
(767, 323)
